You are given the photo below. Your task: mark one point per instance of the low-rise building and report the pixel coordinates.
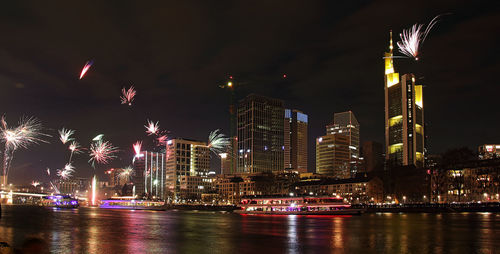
(355, 190)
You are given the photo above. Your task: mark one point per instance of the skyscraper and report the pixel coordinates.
(345, 123)
(332, 156)
(295, 129)
(260, 134)
(404, 116)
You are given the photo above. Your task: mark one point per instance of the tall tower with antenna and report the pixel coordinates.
(404, 116)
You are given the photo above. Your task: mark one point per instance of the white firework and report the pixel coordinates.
(218, 142)
(413, 38)
(65, 135)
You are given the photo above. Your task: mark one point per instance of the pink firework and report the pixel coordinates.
(87, 66)
(128, 95)
(162, 140)
(152, 128)
(102, 152)
(137, 148)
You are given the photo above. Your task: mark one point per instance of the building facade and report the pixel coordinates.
(185, 158)
(372, 153)
(295, 140)
(354, 190)
(332, 156)
(404, 117)
(489, 151)
(260, 134)
(345, 123)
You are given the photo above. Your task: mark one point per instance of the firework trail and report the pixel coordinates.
(413, 38)
(74, 147)
(28, 132)
(126, 173)
(35, 183)
(65, 135)
(128, 95)
(152, 128)
(218, 142)
(48, 171)
(102, 152)
(86, 68)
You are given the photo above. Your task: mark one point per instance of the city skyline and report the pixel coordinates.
(44, 83)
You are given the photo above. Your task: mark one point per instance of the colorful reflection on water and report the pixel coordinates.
(93, 230)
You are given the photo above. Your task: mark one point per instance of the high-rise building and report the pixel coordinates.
(345, 123)
(295, 140)
(149, 174)
(332, 156)
(260, 134)
(404, 116)
(372, 153)
(185, 158)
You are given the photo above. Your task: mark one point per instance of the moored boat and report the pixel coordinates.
(310, 205)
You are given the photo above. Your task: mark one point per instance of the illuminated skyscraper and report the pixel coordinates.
(295, 129)
(260, 134)
(345, 123)
(332, 156)
(404, 116)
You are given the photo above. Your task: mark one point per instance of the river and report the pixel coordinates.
(88, 230)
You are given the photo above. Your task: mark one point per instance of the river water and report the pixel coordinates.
(88, 230)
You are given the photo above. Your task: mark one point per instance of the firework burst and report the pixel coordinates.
(137, 148)
(218, 142)
(126, 173)
(66, 172)
(128, 95)
(152, 128)
(162, 140)
(87, 66)
(35, 183)
(65, 135)
(102, 152)
(75, 148)
(413, 38)
(28, 132)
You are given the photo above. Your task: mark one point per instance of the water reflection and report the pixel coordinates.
(108, 231)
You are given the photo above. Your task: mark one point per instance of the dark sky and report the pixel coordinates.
(177, 53)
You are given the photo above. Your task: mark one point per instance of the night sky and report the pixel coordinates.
(177, 54)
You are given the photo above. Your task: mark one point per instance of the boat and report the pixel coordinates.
(309, 205)
(132, 204)
(60, 201)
